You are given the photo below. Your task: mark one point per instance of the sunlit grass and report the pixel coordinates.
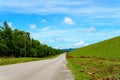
(100, 61)
(6, 61)
(93, 69)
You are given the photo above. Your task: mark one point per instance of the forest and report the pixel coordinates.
(17, 43)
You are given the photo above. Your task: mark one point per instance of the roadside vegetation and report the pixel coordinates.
(6, 61)
(99, 61)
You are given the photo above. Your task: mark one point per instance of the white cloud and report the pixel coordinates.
(10, 25)
(60, 40)
(74, 45)
(80, 7)
(48, 41)
(54, 40)
(43, 21)
(49, 33)
(39, 6)
(91, 29)
(32, 26)
(79, 44)
(69, 21)
(72, 36)
(45, 29)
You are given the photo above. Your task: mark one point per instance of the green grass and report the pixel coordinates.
(7, 61)
(99, 61)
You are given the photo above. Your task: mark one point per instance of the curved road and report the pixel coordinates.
(52, 69)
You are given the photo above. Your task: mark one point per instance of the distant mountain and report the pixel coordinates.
(68, 50)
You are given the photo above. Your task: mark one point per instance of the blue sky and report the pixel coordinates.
(64, 23)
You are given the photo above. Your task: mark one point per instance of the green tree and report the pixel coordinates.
(18, 43)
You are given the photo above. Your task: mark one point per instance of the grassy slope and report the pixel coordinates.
(97, 61)
(6, 61)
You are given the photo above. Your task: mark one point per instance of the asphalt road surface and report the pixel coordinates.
(52, 69)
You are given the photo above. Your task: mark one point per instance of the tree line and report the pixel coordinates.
(17, 43)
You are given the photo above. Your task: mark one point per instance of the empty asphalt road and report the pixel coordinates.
(52, 69)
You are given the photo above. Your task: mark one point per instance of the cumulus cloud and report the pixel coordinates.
(72, 36)
(32, 26)
(10, 25)
(69, 21)
(79, 44)
(74, 45)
